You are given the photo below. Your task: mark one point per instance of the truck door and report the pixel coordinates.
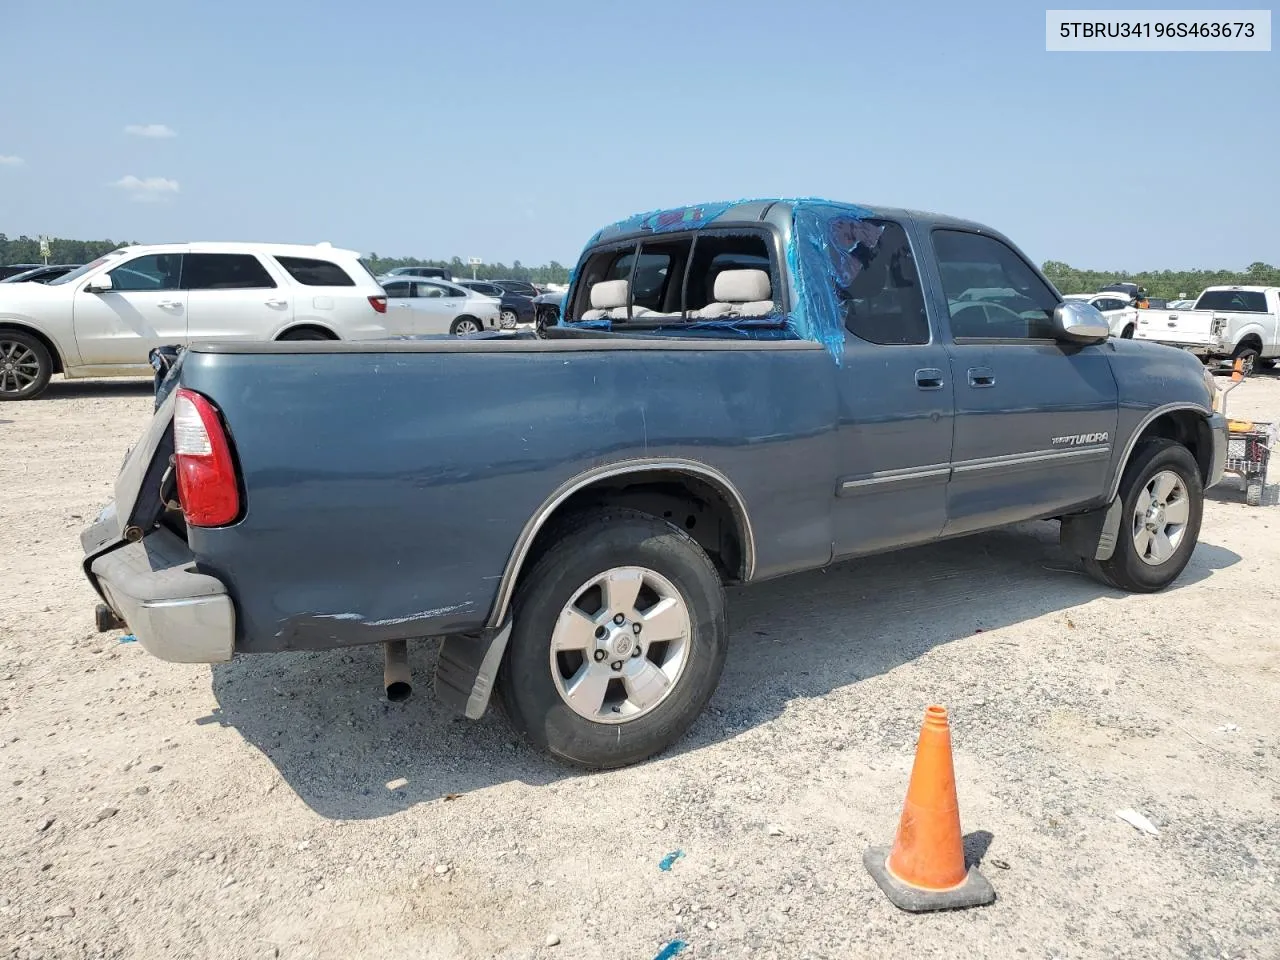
(1035, 418)
(896, 401)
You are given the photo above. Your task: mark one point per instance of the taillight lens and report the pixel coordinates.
(207, 486)
(378, 303)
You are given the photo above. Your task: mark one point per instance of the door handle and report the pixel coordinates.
(277, 303)
(168, 303)
(929, 378)
(981, 377)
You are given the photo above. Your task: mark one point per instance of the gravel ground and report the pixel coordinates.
(279, 807)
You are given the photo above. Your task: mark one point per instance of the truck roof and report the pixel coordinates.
(777, 211)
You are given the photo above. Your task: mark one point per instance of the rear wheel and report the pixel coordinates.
(464, 326)
(25, 365)
(1127, 333)
(1248, 357)
(619, 639)
(1162, 501)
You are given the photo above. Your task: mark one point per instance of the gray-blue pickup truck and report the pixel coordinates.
(733, 392)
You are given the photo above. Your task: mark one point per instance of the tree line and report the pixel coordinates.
(1169, 284)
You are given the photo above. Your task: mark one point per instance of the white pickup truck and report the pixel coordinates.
(1237, 323)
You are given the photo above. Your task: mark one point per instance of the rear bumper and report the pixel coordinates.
(177, 613)
(1221, 436)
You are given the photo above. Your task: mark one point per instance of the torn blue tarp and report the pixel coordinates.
(676, 218)
(830, 243)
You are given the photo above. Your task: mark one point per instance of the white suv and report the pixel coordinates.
(102, 319)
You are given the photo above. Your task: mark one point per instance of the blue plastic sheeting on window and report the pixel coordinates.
(829, 245)
(677, 218)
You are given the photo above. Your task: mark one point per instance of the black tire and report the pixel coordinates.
(25, 365)
(1125, 570)
(454, 328)
(304, 334)
(585, 547)
(1253, 492)
(1127, 333)
(1249, 355)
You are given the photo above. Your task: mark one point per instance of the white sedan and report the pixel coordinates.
(1121, 314)
(416, 306)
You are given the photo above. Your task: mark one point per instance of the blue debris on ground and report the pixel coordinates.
(670, 859)
(128, 638)
(670, 950)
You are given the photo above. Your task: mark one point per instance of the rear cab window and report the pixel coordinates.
(315, 272)
(721, 273)
(1233, 301)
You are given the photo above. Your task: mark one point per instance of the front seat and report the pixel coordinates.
(739, 293)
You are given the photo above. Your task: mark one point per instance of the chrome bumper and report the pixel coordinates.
(1221, 436)
(177, 613)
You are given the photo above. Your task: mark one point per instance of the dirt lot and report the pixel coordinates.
(279, 807)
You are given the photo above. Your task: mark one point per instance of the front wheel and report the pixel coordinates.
(1162, 501)
(25, 366)
(619, 639)
(1127, 333)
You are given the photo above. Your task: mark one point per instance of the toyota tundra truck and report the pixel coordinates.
(733, 392)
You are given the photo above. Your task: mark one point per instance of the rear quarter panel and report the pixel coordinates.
(386, 490)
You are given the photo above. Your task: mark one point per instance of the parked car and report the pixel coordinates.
(1156, 303)
(1227, 323)
(416, 307)
(13, 269)
(1180, 305)
(102, 319)
(565, 512)
(1121, 315)
(437, 273)
(521, 287)
(515, 308)
(41, 274)
(1137, 294)
(547, 307)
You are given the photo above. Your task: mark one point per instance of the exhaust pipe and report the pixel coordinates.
(395, 670)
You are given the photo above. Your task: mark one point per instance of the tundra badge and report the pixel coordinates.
(1081, 439)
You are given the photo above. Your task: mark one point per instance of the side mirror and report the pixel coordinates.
(1078, 322)
(99, 284)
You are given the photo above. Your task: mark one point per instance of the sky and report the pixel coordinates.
(512, 131)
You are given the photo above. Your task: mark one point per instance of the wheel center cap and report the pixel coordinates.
(621, 642)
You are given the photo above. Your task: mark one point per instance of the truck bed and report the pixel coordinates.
(387, 502)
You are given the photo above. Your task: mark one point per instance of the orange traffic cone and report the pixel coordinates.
(925, 869)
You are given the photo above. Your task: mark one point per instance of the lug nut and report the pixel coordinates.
(617, 665)
(635, 628)
(599, 655)
(618, 619)
(600, 633)
(635, 652)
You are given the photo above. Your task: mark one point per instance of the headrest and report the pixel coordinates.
(738, 286)
(608, 294)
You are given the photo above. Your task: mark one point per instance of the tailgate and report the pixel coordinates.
(1187, 327)
(108, 530)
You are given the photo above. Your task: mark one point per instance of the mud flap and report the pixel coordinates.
(1092, 534)
(468, 667)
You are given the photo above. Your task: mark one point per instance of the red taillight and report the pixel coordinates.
(378, 303)
(207, 487)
